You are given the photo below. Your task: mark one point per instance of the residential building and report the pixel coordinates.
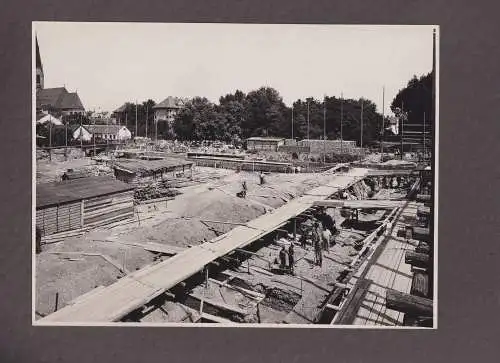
(54, 100)
(166, 110)
(102, 132)
(120, 114)
(59, 101)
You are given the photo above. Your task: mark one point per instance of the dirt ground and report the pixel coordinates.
(180, 222)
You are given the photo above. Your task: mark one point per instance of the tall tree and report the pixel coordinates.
(266, 113)
(416, 99)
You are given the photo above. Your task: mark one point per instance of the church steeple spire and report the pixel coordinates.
(39, 67)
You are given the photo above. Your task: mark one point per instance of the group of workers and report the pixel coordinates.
(321, 234)
(243, 192)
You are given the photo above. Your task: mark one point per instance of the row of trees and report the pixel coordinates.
(262, 112)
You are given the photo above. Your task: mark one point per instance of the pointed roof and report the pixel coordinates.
(71, 101)
(58, 98)
(122, 108)
(169, 102)
(38, 58)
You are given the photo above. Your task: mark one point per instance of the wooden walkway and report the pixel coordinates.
(134, 290)
(387, 271)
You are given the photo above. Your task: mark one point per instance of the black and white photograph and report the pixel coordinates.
(222, 175)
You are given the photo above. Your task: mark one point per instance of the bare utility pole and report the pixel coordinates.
(308, 120)
(93, 136)
(341, 121)
(361, 141)
(402, 121)
(147, 115)
(81, 131)
(383, 121)
(135, 118)
(425, 149)
(66, 132)
(324, 129)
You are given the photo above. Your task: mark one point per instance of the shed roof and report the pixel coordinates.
(48, 194)
(270, 139)
(145, 166)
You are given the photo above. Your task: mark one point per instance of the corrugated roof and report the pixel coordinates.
(48, 194)
(145, 166)
(169, 102)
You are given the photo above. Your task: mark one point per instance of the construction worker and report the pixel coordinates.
(282, 256)
(317, 243)
(303, 236)
(290, 258)
(327, 236)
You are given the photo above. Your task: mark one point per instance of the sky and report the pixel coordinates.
(111, 63)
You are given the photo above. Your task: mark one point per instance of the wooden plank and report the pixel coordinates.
(251, 293)
(220, 305)
(153, 247)
(350, 307)
(215, 319)
(109, 209)
(128, 294)
(107, 216)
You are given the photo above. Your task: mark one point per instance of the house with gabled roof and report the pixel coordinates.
(54, 100)
(166, 110)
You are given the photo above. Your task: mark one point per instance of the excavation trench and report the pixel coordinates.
(249, 286)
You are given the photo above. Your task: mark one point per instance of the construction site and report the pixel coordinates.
(145, 236)
(241, 212)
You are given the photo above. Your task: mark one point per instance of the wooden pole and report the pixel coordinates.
(81, 131)
(425, 149)
(57, 302)
(294, 228)
(147, 115)
(308, 120)
(324, 129)
(206, 276)
(341, 121)
(402, 122)
(93, 136)
(361, 141)
(382, 131)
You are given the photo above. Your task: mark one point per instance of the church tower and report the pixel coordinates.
(39, 68)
